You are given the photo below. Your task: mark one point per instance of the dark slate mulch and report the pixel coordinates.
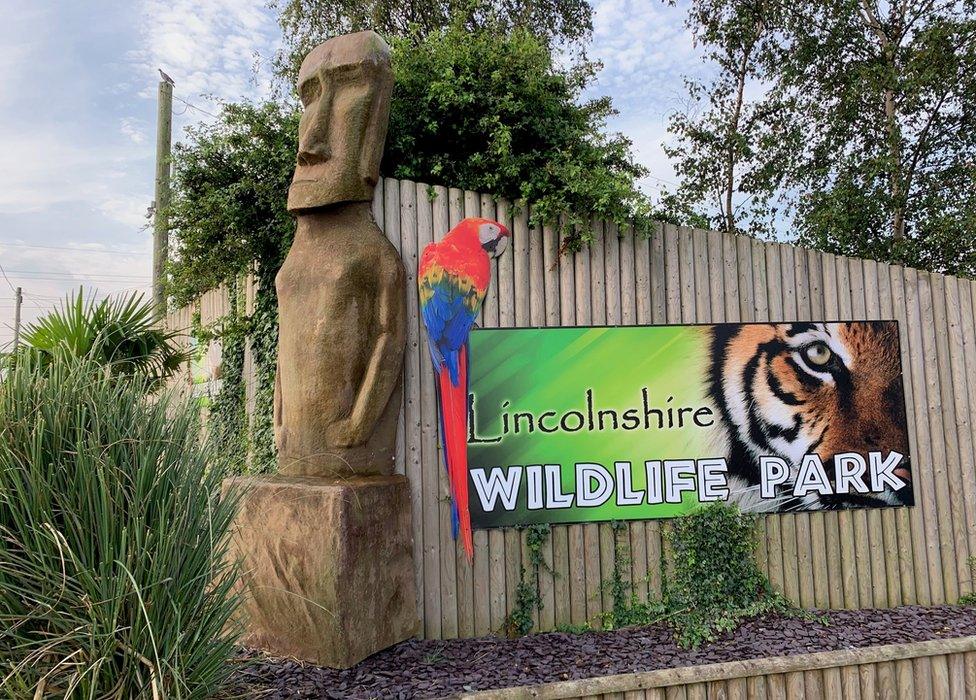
(432, 669)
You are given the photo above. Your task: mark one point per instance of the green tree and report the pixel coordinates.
(863, 126)
(886, 96)
(228, 211)
(305, 23)
(494, 113)
(730, 150)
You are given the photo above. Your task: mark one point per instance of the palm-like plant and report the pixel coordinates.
(120, 333)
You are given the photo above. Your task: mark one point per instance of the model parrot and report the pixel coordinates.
(453, 279)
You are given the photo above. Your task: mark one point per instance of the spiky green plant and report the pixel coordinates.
(114, 581)
(121, 333)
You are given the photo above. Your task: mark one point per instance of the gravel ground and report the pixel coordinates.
(434, 669)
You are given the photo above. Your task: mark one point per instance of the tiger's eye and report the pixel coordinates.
(819, 354)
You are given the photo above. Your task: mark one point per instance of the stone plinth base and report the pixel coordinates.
(327, 566)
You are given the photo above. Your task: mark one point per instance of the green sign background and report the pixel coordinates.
(550, 369)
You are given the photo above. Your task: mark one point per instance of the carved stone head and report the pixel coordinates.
(345, 85)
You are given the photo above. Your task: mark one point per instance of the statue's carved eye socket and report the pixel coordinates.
(309, 90)
(818, 354)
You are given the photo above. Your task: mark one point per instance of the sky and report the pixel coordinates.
(78, 109)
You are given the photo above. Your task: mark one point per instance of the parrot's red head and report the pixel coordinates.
(491, 235)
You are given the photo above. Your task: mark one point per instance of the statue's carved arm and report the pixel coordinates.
(384, 367)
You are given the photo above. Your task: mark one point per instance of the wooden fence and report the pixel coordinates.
(940, 668)
(847, 559)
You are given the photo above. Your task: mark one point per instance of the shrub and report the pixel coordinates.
(970, 598)
(716, 581)
(118, 332)
(113, 577)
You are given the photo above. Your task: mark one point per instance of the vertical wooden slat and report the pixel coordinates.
(513, 303)
(833, 686)
(940, 678)
(758, 310)
(802, 521)
(904, 679)
(970, 662)
(955, 405)
(884, 571)
(795, 686)
(756, 687)
(916, 581)
(581, 545)
(939, 470)
(811, 307)
(957, 676)
(774, 296)
(878, 301)
(788, 525)
(927, 529)
(560, 305)
(418, 215)
(610, 539)
(850, 679)
(466, 595)
(499, 312)
(654, 310)
(597, 536)
(537, 302)
(845, 520)
(867, 672)
(966, 405)
(630, 291)
(440, 224)
(411, 383)
(867, 585)
(406, 245)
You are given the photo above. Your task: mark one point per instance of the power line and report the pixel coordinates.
(72, 275)
(75, 250)
(9, 284)
(193, 106)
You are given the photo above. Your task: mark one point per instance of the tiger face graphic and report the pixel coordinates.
(791, 389)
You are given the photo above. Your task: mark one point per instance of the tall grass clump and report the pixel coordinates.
(113, 576)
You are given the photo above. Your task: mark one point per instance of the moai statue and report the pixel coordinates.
(341, 290)
(326, 545)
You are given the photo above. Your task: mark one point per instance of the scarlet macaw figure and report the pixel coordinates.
(453, 279)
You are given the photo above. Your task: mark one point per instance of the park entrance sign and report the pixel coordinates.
(627, 423)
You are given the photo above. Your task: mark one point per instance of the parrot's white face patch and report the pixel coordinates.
(492, 240)
(488, 232)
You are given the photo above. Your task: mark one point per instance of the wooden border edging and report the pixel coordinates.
(726, 671)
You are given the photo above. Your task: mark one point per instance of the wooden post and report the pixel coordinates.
(164, 138)
(18, 302)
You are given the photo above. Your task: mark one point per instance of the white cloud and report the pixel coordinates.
(646, 52)
(44, 167)
(644, 46)
(208, 47)
(134, 129)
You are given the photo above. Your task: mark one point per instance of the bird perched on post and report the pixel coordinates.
(453, 279)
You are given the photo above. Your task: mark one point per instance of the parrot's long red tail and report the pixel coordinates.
(454, 432)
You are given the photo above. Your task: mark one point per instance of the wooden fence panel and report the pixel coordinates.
(681, 275)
